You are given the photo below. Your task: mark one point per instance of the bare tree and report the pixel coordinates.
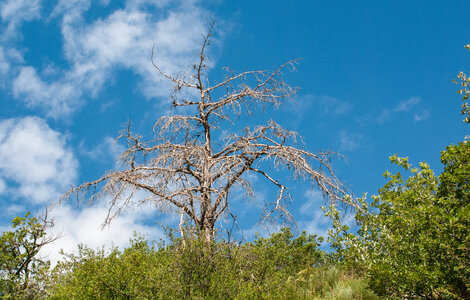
(185, 168)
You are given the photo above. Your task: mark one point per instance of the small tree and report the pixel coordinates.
(185, 168)
(464, 82)
(20, 267)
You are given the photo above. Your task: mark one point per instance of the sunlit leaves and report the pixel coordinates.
(412, 239)
(464, 82)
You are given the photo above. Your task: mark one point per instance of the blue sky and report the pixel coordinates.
(375, 79)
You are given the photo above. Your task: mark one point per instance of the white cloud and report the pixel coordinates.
(85, 227)
(349, 141)
(14, 12)
(71, 9)
(58, 98)
(122, 40)
(8, 59)
(20, 9)
(125, 39)
(36, 158)
(317, 223)
(406, 105)
(3, 186)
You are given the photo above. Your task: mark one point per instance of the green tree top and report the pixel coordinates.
(464, 82)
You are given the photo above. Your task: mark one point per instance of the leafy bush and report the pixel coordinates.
(135, 273)
(413, 239)
(278, 267)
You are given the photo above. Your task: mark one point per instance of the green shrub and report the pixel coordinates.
(278, 267)
(413, 239)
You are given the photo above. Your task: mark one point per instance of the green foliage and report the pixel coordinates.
(22, 274)
(413, 240)
(464, 82)
(269, 262)
(135, 273)
(455, 182)
(279, 267)
(454, 204)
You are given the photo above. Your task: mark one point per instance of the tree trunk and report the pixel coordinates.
(207, 230)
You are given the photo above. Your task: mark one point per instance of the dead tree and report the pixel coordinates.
(184, 168)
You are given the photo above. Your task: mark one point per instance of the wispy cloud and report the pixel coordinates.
(57, 98)
(15, 12)
(420, 116)
(349, 141)
(384, 116)
(8, 58)
(331, 105)
(122, 40)
(406, 105)
(314, 220)
(413, 104)
(326, 105)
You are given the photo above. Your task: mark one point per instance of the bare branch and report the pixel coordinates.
(179, 82)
